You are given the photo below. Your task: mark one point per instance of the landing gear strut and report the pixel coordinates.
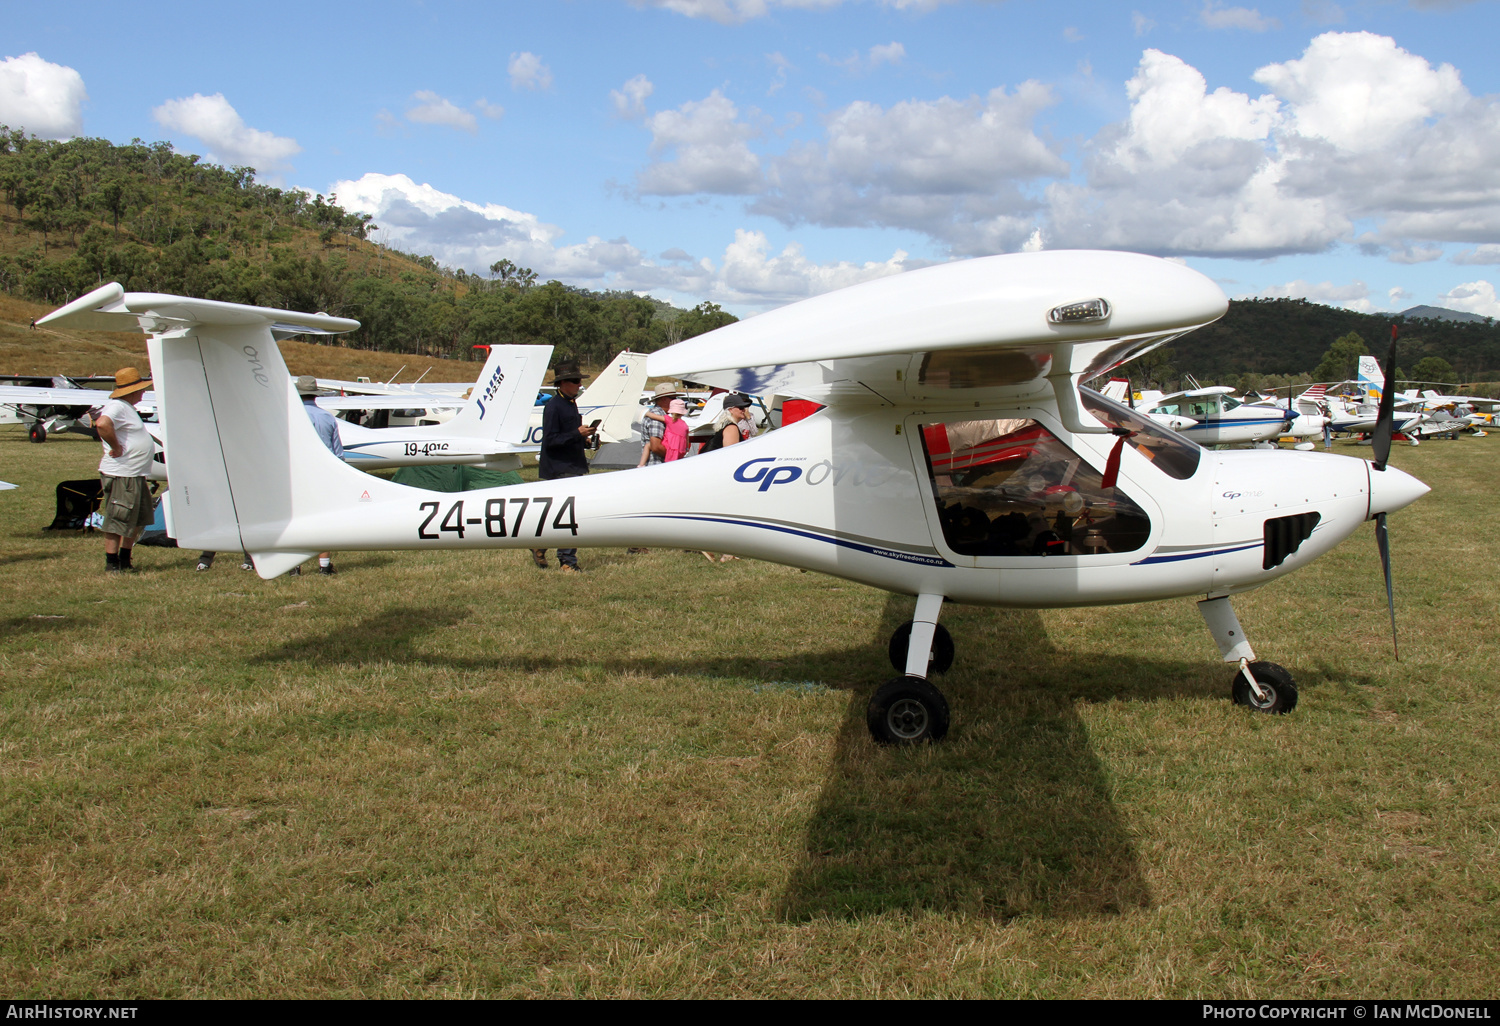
(909, 708)
(1264, 687)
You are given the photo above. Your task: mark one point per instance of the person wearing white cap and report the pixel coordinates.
(125, 496)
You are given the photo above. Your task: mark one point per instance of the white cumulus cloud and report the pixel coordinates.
(701, 146)
(1356, 129)
(1474, 297)
(949, 168)
(1489, 253)
(461, 233)
(1354, 295)
(751, 274)
(44, 98)
(528, 72)
(212, 120)
(630, 99)
(428, 108)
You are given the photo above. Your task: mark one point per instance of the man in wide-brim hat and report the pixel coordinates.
(564, 442)
(125, 497)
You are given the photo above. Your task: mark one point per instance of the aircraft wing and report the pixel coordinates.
(1011, 325)
(25, 395)
(407, 401)
(436, 389)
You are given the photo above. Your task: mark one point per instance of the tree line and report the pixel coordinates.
(85, 212)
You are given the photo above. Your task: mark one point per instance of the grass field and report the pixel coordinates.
(449, 774)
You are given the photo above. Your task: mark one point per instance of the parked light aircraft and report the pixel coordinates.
(957, 459)
(1220, 419)
(489, 429)
(611, 399)
(51, 404)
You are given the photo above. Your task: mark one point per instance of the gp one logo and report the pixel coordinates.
(490, 389)
(257, 369)
(767, 476)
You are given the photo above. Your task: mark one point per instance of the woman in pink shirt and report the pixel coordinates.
(675, 439)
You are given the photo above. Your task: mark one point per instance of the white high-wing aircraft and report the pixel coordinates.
(489, 429)
(611, 398)
(957, 459)
(1220, 419)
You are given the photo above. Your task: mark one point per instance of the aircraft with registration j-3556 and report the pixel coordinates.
(958, 459)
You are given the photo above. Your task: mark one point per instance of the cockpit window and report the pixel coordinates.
(1169, 452)
(1012, 488)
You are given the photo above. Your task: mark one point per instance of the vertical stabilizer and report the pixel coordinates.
(615, 396)
(262, 465)
(1371, 381)
(499, 408)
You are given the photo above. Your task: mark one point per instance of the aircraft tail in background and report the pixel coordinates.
(1371, 381)
(499, 408)
(614, 396)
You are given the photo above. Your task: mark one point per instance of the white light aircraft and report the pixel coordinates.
(1220, 419)
(488, 431)
(958, 459)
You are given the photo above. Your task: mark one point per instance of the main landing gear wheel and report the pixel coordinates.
(907, 710)
(1280, 694)
(942, 649)
(38, 432)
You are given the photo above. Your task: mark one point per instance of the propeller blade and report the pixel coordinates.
(1380, 441)
(1383, 541)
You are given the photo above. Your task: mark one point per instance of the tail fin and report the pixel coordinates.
(499, 408)
(1117, 389)
(1371, 381)
(615, 394)
(246, 461)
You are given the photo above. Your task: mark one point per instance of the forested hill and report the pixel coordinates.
(77, 214)
(1290, 337)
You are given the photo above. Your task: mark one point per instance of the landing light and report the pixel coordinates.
(1078, 313)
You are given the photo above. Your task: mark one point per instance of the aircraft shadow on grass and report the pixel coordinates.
(1011, 816)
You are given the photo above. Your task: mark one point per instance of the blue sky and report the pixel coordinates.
(753, 152)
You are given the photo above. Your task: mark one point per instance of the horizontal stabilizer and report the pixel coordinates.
(111, 308)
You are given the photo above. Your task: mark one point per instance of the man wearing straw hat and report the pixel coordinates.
(124, 495)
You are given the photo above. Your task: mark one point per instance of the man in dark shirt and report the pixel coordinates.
(564, 438)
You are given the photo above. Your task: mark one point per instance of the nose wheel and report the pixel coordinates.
(907, 710)
(1276, 691)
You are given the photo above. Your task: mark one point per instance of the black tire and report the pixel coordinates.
(1281, 692)
(906, 711)
(941, 660)
(38, 432)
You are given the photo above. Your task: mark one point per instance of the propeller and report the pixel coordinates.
(1380, 444)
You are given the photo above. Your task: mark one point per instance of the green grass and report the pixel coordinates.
(449, 774)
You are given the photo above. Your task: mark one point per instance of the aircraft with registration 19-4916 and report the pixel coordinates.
(957, 459)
